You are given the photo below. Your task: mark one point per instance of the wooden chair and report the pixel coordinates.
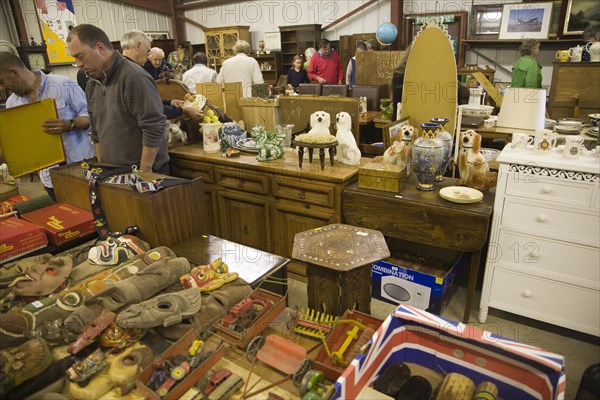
(310, 88)
(171, 89)
(373, 93)
(334, 90)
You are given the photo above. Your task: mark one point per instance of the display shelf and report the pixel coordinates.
(295, 40)
(508, 43)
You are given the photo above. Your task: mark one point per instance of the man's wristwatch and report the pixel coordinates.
(72, 126)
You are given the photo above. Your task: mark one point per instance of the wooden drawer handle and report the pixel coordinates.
(240, 183)
(542, 218)
(302, 195)
(547, 189)
(527, 293)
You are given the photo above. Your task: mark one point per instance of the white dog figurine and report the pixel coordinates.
(175, 133)
(474, 170)
(347, 150)
(408, 134)
(319, 123)
(392, 154)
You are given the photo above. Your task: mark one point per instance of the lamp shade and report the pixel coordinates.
(523, 108)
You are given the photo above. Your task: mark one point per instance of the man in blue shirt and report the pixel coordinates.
(73, 120)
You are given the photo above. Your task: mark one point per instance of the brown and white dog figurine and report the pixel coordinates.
(408, 134)
(474, 169)
(392, 154)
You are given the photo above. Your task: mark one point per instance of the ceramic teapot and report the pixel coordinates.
(594, 49)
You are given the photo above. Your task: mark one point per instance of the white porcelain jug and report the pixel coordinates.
(575, 53)
(594, 49)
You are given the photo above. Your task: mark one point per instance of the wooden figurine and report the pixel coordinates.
(347, 151)
(474, 169)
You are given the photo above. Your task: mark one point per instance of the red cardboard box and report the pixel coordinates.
(62, 222)
(19, 237)
(7, 205)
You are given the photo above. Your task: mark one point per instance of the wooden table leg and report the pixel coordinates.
(473, 273)
(300, 156)
(322, 158)
(310, 154)
(331, 155)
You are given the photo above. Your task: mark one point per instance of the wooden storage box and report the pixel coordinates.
(257, 111)
(336, 339)
(182, 347)
(166, 218)
(242, 339)
(379, 176)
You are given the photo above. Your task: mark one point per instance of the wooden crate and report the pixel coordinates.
(166, 218)
(257, 111)
(297, 110)
(181, 347)
(242, 340)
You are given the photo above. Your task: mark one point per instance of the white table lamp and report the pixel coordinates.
(523, 108)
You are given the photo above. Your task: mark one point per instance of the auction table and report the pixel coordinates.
(256, 267)
(424, 217)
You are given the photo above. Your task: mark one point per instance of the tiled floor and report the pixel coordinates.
(579, 350)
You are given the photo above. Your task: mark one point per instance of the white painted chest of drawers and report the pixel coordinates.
(544, 253)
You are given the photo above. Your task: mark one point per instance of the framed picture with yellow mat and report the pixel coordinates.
(25, 145)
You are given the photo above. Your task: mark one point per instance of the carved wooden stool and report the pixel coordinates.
(311, 146)
(339, 261)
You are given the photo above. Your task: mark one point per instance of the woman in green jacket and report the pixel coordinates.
(526, 72)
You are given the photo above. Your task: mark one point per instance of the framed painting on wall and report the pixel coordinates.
(392, 131)
(484, 22)
(579, 15)
(525, 21)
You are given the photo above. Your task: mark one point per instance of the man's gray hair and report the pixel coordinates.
(157, 50)
(131, 38)
(241, 46)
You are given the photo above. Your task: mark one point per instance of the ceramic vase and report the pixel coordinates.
(427, 156)
(386, 108)
(448, 142)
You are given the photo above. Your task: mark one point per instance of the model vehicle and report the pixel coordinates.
(243, 314)
(216, 380)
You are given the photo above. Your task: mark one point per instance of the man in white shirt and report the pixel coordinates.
(199, 73)
(241, 68)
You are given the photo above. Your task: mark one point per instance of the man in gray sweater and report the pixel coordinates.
(126, 112)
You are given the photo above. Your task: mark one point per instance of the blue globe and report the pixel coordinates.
(386, 33)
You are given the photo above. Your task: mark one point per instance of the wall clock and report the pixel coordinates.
(34, 56)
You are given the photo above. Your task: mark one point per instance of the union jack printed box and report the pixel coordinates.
(520, 371)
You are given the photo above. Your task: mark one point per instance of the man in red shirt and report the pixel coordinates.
(325, 66)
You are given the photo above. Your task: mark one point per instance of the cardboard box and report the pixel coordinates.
(7, 206)
(378, 176)
(18, 237)
(520, 371)
(426, 283)
(62, 222)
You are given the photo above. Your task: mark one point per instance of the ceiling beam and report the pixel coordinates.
(205, 4)
(351, 13)
(193, 23)
(160, 6)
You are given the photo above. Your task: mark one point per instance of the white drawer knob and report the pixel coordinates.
(527, 293)
(547, 189)
(541, 218)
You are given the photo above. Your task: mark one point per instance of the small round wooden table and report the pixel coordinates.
(311, 146)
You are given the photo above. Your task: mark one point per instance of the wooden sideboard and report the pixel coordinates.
(264, 204)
